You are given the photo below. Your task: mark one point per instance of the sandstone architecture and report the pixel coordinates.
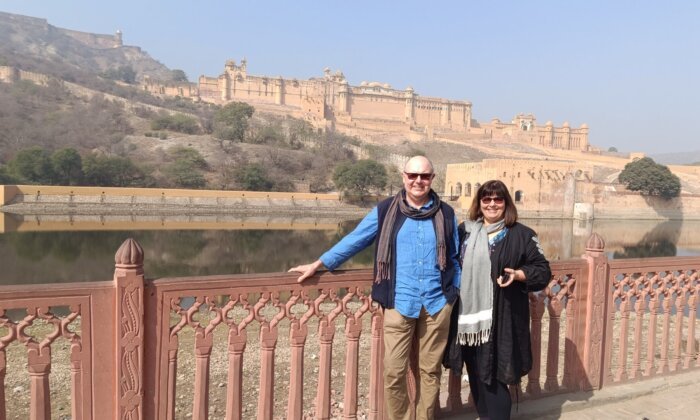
(331, 102)
(558, 187)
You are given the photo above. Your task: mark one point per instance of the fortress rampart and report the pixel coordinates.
(330, 101)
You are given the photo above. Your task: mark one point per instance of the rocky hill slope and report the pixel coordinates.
(33, 44)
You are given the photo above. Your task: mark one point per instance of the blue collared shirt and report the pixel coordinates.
(417, 274)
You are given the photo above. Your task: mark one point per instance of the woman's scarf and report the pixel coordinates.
(476, 291)
(385, 239)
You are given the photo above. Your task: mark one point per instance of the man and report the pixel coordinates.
(417, 277)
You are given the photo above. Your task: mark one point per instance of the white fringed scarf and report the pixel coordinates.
(476, 290)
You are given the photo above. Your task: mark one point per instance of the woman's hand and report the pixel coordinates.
(511, 275)
(306, 270)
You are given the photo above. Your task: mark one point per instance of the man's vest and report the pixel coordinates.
(385, 291)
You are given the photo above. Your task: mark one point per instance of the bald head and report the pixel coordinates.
(418, 164)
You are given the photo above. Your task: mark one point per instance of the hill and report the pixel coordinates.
(683, 158)
(33, 44)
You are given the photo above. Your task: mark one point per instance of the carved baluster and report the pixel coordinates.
(326, 332)
(297, 341)
(39, 364)
(679, 304)
(171, 388)
(536, 301)
(298, 331)
(624, 334)
(639, 309)
(353, 328)
(268, 343)
(666, 305)
(571, 360)
(76, 373)
(554, 309)
(376, 380)
(203, 344)
(129, 283)
(237, 339)
(651, 338)
(690, 352)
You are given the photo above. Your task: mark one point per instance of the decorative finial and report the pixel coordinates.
(130, 253)
(595, 243)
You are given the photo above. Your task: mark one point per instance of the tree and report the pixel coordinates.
(184, 174)
(612, 149)
(178, 75)
(650, 178)
(231, 121)
(178, 122)
(5, 178)
(186, 170)
(125, 74)
(106, 171)
(360, 177)
(253, 177)
(32, 165)
(67, 166)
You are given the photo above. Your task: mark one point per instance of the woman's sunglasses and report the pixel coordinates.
(488, 200)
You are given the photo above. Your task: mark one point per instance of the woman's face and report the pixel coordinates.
(492, 207)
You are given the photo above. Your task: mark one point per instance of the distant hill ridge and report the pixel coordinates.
(681, 158)
(33, 44)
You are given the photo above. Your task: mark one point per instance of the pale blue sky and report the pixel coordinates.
(629, 69)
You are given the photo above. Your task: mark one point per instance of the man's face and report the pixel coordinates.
(417, 178)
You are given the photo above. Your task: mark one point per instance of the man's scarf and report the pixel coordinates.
(385, 239)
(476, 291)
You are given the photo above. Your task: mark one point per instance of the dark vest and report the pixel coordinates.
(385, 292)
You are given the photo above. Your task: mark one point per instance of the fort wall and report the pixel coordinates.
(563, 189)
(97, 41)
(13, 194)
(331, 101)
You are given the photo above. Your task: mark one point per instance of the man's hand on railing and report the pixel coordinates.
(306, 270)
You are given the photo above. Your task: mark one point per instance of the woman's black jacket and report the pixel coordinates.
(507, 356)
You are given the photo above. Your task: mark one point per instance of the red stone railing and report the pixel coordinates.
(264, 346)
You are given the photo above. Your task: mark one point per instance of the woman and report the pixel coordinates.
(502, 261)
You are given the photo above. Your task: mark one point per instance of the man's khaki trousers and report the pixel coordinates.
(431, 332)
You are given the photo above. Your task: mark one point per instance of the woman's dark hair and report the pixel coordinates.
(490, 189)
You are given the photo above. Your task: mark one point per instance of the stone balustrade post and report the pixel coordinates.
(129, 316)
(593, 303)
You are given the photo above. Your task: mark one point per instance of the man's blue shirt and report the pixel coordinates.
(417, 274)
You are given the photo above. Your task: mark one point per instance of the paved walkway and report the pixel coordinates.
(671, 397)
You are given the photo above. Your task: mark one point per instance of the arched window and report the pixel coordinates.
(467, 189)
(476, 187)
(519, 196)
(458, 189)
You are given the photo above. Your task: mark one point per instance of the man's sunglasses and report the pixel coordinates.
(414, 176)
(488, 200)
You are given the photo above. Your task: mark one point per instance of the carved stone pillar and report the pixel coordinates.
(129, 285)
(594, 329)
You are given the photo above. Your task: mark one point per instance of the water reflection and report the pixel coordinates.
(63, 249)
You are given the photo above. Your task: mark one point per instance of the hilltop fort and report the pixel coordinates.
(331, 102)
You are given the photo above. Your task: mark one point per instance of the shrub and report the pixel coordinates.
(650, 178)
(360, 177)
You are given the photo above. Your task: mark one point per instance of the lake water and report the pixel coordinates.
(51, 249)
